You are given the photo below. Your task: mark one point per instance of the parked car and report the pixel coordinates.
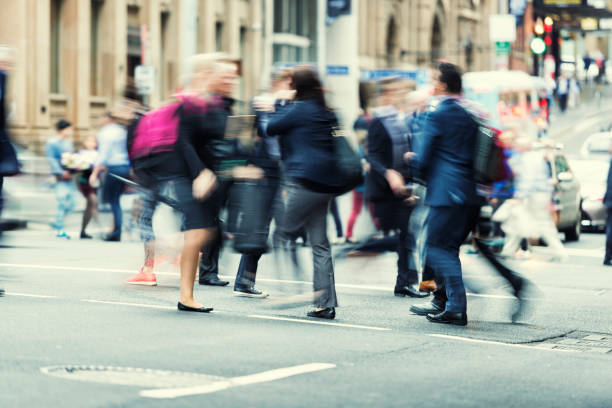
(566, 195)
(597, 145)
(592, 175)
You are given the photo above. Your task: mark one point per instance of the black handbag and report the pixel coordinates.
(9, 165)
(347, 162)
(248, 218)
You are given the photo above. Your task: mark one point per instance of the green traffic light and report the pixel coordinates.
(538, 46)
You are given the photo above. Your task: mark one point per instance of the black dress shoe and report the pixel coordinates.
(214, 281)
(458, 319)
(410, 291)
(425, 310)
(607, 262)
(85, 235)
(328, 313)
(184, 308)
(112, 238)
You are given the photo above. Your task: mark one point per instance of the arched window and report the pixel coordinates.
(391, 45)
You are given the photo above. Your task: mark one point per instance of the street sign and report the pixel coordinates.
(502, 48)
(605, 23)
(341, 70)
(502, 27)
(144, 79)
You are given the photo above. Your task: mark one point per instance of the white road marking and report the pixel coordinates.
(78, 268)
(107, 302)
(497, 343)
(289, 319)
(265, 376)
(590, 253)
(30, 295)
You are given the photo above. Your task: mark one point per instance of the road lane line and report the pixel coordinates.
(265, 376)
(108, 302)
(30, 295)
(289, 319)
(497, 343)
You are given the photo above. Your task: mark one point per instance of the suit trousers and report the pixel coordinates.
(608, 256)
(395, 215)
(447, 229)
(307, 209)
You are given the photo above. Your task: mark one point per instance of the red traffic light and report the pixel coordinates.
(547, 41)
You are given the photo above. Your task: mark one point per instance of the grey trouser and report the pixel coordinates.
(303, 208)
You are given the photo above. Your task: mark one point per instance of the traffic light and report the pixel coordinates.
(538, 46)
(548, 25)
(538, 28)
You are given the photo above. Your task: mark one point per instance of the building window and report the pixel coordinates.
(163, 74)
(219, 36)
(297, 18)
(134, 50)
(55, 36)
(94, 62)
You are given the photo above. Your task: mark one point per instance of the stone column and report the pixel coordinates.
(113, 45)
(206, 31)
(253, 58)
(76, 75)
(151, 17)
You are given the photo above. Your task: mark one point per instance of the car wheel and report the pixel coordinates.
(573, 234)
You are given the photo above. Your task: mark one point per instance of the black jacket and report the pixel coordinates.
(307, 145)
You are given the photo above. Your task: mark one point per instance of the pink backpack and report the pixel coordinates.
(157, 131)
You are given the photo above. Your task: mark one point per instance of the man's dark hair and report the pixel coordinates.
(62, 124)
(450, 75)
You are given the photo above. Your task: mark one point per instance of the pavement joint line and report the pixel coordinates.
(289, 319)
(497, 343)
(265, 376)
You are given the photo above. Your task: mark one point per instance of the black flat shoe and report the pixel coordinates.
(112, 238)
(184, 308)
(425, 310)
(410, 291)
(213, 282)
(84, 235)
(457, 319)
(328, 313)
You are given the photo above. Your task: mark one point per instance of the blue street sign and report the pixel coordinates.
(337, 70)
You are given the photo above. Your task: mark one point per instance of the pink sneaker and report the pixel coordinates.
(141, 278)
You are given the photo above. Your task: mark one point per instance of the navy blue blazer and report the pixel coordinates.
(445, 155)
(608, 196)
(307, 145)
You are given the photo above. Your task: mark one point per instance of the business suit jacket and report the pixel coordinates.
(445, 155)
(608, 196)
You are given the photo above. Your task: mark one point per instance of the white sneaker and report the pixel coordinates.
(251, 292)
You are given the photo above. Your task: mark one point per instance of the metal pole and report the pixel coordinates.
(321, 37)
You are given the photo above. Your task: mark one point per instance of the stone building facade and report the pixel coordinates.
(74, 57)
(417, 33)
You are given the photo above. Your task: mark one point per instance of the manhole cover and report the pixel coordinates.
(130, 376)
(581, 341)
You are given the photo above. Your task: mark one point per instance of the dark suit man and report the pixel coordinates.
(389, 140)
(445, 159)
(608, 203)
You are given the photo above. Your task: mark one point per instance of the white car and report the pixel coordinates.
(597, 144)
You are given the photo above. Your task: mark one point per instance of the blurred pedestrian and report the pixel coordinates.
(8, 157)
(113, 156)
(389, 150)
(530, 215)
(445, 159)
(608, 203)
(266, 156)
(563, 89)
(89, 155)
(64, 186)
(361, 125)
(305, 128)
